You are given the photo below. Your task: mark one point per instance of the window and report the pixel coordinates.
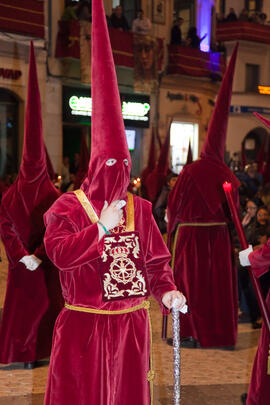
(252, 77)
(181, 134)
(253, 5)
(8, 133)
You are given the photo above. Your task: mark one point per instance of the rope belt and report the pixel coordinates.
(189, 224)
(202, 224)
(144, 305)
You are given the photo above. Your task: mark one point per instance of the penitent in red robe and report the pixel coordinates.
(259, 388)
(99, 359)
(203, 265)
(33, 298)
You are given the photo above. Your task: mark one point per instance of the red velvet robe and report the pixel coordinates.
(259, 388)
(203, 256)
(33, 298)
(99, 359)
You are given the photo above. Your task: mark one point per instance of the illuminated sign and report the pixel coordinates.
(77, 107)
(264, 89)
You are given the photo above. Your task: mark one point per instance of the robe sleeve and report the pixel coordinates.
(14, 247)
(160, 275)
(40, 252)
(69, 248)
(260, 259)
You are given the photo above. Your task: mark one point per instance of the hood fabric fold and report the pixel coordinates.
(33, 162)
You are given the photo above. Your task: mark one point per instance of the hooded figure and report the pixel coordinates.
(259, 388)
(189, 155)
(157, 178)
(197, 221)
(150, 165)
(84, 162)
(50, 168)
(110, 259)
(33, 297)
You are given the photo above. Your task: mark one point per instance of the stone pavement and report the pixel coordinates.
(209, 377)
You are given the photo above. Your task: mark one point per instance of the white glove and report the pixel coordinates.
(31, 262)
(243, 256)
(111, 215)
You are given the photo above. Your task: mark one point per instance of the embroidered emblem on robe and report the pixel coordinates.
(122, 267)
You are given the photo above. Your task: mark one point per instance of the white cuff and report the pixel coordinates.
(243, 256)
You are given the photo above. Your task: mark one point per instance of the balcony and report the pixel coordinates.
(22, 17)
(193, 62)
(68, 44)
(242, 30)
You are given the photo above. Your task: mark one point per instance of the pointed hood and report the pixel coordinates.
(84, 162)
(157, 178)
(50, 168)
(215, 142)
(34, 157)
(189, 155)
(110, 164)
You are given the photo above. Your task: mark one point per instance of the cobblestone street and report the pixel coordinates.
(209, 377)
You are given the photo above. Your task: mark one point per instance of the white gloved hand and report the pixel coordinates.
(111, 215)
(31, 262)
(243, 256)
(171, 296)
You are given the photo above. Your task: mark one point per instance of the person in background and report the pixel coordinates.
(176, 33)
(220, 18)
(83, 11)
(247, 300)
(162, 201)
(243, 16)
(141, 25)
(74, 166)
(231, 16)
(65, 174)
(118, 20)
(192, 40)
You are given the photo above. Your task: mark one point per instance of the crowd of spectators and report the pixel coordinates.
(192, 40)
(82, 11)
(254, 198)
(254, 17)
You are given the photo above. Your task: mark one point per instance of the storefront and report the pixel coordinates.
(77, 112)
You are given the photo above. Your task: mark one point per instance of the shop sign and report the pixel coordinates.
(77, 107)
(248, 109)
(10, 74)
(264, 90)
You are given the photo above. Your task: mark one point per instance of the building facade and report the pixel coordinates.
(159, 83)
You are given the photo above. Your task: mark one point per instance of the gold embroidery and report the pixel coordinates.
(122, 269)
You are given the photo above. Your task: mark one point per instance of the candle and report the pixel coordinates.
(227, 187)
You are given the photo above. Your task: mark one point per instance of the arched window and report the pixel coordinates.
(8, 132)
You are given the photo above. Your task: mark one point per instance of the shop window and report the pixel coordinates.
(181, 134)
(253, 5)
(252, 77)
(8, 133)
